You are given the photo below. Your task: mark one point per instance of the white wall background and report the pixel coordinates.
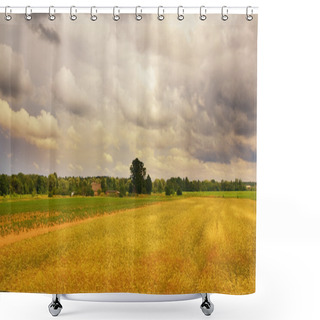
(288, 217)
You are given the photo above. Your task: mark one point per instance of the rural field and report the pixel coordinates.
(146, 244)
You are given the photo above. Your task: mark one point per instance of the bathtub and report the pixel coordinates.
(55, 306)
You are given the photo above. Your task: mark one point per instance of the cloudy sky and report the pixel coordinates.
(86, 98)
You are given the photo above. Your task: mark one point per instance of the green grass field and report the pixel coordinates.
(199, 242)
(24, 213)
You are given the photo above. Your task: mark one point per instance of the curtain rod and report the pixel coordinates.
(128, 9)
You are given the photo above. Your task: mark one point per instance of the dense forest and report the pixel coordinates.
(137, 183)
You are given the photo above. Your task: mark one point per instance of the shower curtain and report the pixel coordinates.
(128, 154)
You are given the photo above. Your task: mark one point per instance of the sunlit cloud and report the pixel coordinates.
(42, 130)
(108, 158)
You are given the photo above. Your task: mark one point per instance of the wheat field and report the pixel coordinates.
(188, 245)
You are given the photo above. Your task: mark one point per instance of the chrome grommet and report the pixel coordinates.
(73, 16)
(116, 17)
(7, 16)
(203, 12)
(180, 13)
(160, 16)
(93, 16)
(224, 13)
(51, 15)
(138, 16)
(27, 15)
(249, 17)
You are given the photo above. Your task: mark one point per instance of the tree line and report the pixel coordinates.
(53, 185)
(138, 183)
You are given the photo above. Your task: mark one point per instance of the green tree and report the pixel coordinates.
(130, 187)
(148, 185)
(155, 185)
(63, 186)
(16, 185)
(168, 190)
(4, 185)
(53, 183)
(138, 173)
(41, 185)
(162, 185)
(179, 192)
(187, 184)
(89, 191)
(103, 185)
(122, 191)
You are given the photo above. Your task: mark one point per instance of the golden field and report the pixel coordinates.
(188, 245)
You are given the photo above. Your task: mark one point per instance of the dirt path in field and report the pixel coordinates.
(12, 238)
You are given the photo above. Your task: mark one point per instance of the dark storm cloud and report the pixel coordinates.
(203, 84)
(46, 33)
(14, 78)
(225, 153)
(228, 94)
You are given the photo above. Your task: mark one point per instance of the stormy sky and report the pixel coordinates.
(86, 98)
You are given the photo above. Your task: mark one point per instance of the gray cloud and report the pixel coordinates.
(15, 80)
(47, 33)
(209, 83)
(69, 95)
(218, 150)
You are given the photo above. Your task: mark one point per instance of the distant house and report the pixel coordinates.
(112, 192)
(95, 187)
(248, 187)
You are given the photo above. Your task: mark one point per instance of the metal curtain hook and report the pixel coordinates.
(6, 15)
(224, 16)
(27, 15)
(73, 17)
(116, 17)
(180, 15)
(160, 16)
(51, 15)
(93, 16)
(249, 17)
(138, 16)
(203, 12)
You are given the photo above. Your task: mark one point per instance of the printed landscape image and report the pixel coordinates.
(126, 165)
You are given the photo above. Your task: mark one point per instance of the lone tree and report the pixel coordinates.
(138, 173)
(148, 185)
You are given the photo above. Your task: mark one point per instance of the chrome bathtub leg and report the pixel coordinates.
(206, 305)
(55, 306)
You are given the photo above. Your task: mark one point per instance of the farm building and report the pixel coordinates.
(95, 187)
(112, 192)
